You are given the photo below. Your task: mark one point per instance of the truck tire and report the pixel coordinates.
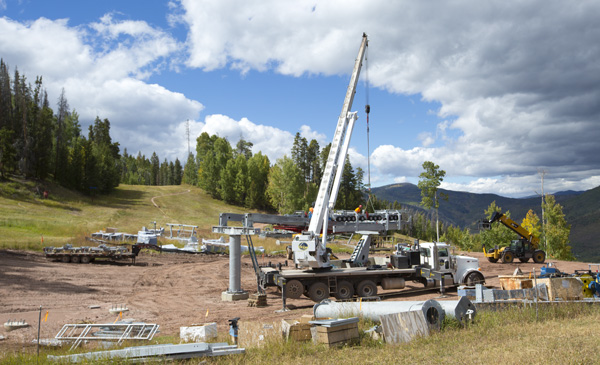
(65, 259)
(474, 278)
(318, 291)
(345, 290)
(366, 288)
(539, 256)
(85, 259)
(508, 257)
(294, 289)
(75, 259)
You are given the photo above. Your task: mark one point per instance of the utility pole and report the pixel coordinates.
(542, 173)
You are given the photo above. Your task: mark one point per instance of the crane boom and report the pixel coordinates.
(309, 249)
(339, 148)
(514, 226)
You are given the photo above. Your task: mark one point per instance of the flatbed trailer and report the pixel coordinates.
(345, 280)
(344, 283)
(86, 254)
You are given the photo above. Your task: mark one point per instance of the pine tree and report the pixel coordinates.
(190, 171)
(243, 148)
(178, 173)
(7, 152)
(154, 179)
(60, 150)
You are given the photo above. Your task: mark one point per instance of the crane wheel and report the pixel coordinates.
(539, 257)
(345, 290)
(318, 291)
(366, 288)
(294, 289)
(508, 257)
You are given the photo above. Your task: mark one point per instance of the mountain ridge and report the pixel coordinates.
(464, 209)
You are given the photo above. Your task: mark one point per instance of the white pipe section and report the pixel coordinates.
(462, 309)
(433, 311)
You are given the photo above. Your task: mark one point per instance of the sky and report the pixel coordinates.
(497, 93)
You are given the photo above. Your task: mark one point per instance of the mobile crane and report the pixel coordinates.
(310, 249)
(525, 248)
(318, 278)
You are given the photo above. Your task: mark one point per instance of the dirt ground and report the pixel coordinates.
(168, 289)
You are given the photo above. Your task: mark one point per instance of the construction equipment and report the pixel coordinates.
(320, 277)
(525, 248)
(345, 279)
(85, 255)
(310, 249)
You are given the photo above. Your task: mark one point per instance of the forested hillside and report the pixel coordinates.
(464, 210)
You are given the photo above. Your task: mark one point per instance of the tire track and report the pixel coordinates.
(160, 196)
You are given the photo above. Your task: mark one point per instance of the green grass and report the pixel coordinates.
(67, 217)
(561, 334)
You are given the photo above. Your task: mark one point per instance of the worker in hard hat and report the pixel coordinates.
(358, 210)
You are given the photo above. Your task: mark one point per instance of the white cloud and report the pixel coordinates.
(106, 83)
(307, 132)
(519, 80)
(517, 83)
(270, 141)
(426, 139)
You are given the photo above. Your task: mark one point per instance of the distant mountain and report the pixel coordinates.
(559, 193)
(582, 211)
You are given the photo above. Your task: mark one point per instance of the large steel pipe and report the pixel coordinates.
(433, 311)
(235, 264)
(462, 309)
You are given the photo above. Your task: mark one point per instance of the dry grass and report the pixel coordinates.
(562, 334)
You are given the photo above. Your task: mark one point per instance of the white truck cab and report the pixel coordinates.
(464, 269)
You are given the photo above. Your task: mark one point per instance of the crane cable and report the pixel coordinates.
(367, 111)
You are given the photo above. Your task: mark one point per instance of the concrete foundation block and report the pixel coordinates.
(230, 297)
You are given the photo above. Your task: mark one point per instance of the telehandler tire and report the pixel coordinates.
(539, 257)
(524, 259)
(508, 257)
(492, 260)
